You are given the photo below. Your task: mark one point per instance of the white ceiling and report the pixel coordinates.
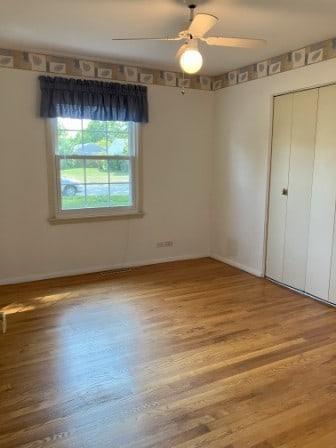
(86, 28)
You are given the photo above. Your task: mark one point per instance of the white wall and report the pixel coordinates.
(176, 146)
(177, 143)
(240, 162)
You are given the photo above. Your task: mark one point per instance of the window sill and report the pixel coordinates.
(73, 219)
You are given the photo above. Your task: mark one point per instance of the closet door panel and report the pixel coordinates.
(299, 188)
(282, 123)
(332, 283)
(323, 197)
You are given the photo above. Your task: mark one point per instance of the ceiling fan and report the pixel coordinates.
(189, 57)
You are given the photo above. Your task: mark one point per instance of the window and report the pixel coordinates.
(94, 146)
(95, 168)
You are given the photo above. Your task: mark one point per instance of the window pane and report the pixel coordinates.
(119, 189)
(117, 146)
(71, 183)
(95, 171)
(66, 141)
(117, 126)
(97, 195)
(96, 189)
(88, 184)
(119, 171)
(73, 202)
(96, 126)
(91, 182)
(71, 124)
(90, 149)
(121, 195)
(93, 143)
(72, 170)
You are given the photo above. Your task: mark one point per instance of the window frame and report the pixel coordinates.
(57, 215)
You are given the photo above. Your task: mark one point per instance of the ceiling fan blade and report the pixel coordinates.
(149, 38)
(201, 24)
(234, 42)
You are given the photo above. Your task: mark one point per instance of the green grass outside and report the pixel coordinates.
(80, 202)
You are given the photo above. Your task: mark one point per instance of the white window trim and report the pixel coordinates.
(58, 216)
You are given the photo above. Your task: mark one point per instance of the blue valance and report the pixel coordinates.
(94, 100)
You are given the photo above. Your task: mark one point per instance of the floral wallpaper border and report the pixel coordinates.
(289, 61)
(60, 65)
(101, 70)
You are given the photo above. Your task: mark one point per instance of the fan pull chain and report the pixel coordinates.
(182, 90)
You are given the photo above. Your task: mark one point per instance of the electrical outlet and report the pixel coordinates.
(164, 244)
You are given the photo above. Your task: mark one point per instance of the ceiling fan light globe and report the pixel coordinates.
(191, 61)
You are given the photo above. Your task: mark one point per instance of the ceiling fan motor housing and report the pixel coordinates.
(192, 3)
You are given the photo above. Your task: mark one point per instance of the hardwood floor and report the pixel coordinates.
(186, 354)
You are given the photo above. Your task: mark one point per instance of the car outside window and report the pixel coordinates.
(95, 168)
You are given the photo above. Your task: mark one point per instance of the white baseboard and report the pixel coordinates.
(237, 265)
(93, 269)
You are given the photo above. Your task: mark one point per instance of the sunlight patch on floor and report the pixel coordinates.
(34, 303)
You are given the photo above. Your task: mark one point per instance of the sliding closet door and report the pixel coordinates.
(323, 200)
(301, 242)
(332, 284)
(282, 124)
(301, 166)
(293, 147)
